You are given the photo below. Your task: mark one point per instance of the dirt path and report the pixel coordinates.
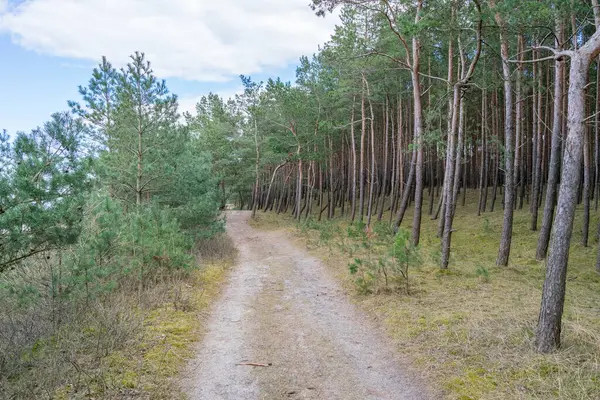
(282, 307)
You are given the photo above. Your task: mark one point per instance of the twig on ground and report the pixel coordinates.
(255, 364)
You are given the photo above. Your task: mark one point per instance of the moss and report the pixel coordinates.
(473, 384)
(546, 369)
(63, 393)
(474, 339)
(167, 341)
(129, 379)
(170, 334)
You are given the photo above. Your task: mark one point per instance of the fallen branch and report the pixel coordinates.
(255, 364)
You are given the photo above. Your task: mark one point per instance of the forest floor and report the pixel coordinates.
(284, 328)
(470, 329)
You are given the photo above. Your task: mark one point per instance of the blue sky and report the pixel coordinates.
(49, 47)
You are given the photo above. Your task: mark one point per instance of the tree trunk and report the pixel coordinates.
(277, 168)
(483, 168)
(553, 293)
(537, 137)
(509, 192)
(407, 191)
(353, 145)
(385, 160)
(452, 175)
(518, 117)
(373, 167)
(361, 203)
(139, 176)
(553, 167)
(256, 171)
(586, 189)
(418, 127)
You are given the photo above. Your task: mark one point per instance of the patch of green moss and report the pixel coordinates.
(472, 385)
(63, 393)
(168, 338)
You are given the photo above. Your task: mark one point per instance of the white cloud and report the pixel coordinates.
(204, 40)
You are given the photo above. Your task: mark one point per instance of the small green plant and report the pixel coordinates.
(486, 225)
(383, 230)
(483, 273)
(405, 255)
(326, 234)
(436, 256)
(365, 278)
(357, 238)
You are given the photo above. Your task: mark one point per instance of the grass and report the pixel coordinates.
(125, 345)
(470, 329)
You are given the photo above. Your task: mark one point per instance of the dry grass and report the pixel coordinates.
(123, 345)
(472, 332)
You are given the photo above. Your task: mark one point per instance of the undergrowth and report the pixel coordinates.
(470, 329)
(128, 344)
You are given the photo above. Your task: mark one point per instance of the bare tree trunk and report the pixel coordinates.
(433, 179)
(407, 191)
(256, 171)
(537, 137)
(309, 188)
(277, 168)
(140, 159)
(483, 168)
(385, 160)
(331, 211)
(518, 127)
(451, 127)
(509, 192)
(596, 9)
(353, 145)
(399, 164)
(553, 293)
(299, 180)
(373, 166)
(361, 203)
(597, 138)
(458, 125)
(586, 189)
(418, 127)
(450, 185)
(553, 167)
(393, 178)
(497, 153)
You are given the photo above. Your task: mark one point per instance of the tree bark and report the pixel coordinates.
(553, 292)
(537, 137)
(361, 202)
(353, 145)
(373, 166)
(553, 167)
(418, 127)
(385, 160)
(509, 192)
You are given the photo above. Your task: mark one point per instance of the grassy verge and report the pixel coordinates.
(471, 329)
(128, 344)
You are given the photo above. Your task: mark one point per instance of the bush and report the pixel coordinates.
(375, 270)
(405, 256)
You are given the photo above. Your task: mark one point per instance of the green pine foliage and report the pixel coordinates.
(101, 203)
(43, 182)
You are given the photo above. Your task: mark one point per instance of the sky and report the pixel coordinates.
(49, 47)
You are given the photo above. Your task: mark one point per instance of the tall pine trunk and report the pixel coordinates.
(553, 292)
(553, 167)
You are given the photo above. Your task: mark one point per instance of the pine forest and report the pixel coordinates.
(441, 157)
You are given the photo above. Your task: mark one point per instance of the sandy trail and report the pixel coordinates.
(282, 307)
